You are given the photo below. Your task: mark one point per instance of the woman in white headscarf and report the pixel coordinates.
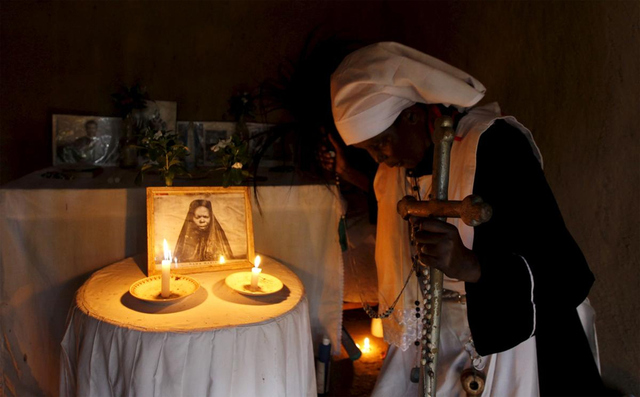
(516, 281)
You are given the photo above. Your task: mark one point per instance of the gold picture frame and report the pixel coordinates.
(199, 224)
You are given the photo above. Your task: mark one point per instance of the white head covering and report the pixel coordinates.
(374, 84)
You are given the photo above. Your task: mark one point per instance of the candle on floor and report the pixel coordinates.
(255, 273)
(376, 327)
(166, 271)
(367, 346)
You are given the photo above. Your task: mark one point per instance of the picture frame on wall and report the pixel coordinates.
(85, 140)
(206, 228)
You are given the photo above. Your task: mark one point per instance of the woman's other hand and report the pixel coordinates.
(332, 157)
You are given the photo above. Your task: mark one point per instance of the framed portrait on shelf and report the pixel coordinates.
(86, 140)
(258, 131)
(164, 112)
(205, 228)
(200, 136)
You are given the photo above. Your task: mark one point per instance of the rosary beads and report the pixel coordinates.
(371, 312)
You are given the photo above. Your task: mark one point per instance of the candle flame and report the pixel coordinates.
(256, 262)
(221, 260)
(367, 346)
(167, 251)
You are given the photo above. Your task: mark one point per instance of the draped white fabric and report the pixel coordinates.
(54, 233)
(517, 367)
(298, 227)
(213, 343)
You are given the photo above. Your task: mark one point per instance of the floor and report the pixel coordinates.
(357, 378)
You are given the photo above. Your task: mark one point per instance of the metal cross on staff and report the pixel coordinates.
(473, 211)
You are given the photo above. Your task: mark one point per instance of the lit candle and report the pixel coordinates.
(367, 346)
(376, 328)
(221, 260)
(166, 271)
(255, 273)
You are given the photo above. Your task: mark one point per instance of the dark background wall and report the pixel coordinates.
(567, 70)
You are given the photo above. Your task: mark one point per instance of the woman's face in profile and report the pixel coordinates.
(202, 218)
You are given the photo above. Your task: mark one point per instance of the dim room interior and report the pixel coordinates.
(568, 70)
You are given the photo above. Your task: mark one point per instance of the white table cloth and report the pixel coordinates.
(215, 342)
(55, 233)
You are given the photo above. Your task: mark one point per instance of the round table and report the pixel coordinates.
(215, 342)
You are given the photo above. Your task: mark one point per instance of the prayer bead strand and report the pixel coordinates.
(371, 312)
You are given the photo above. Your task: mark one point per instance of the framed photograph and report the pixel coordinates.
(88, 140)
(205, 228)
(211, 133)
(163, 113)
(257, 132)
(200, 136)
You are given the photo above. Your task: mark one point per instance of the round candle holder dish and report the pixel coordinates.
(241, 283)
(149, 289)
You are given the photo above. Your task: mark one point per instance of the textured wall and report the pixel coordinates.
(62, 57)
(567, 70)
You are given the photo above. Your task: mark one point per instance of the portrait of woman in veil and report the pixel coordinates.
(202, 239)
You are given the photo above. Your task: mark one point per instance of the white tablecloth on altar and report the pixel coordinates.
(216, 342)
(55, 233)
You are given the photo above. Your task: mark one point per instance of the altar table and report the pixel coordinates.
(215, 342)
(55, 233)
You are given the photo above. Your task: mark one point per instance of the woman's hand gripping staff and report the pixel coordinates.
(440, 246)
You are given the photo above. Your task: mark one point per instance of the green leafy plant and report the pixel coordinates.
(164, 152)
(232, 156)
(129, 98)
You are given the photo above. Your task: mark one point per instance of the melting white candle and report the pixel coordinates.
(376, 328)
(255, 273)
(166, 271)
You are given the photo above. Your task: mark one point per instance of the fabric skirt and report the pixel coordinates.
(510, 373)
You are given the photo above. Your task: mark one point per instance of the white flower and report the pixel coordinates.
(158, 135)
(222, 143)
(237, 165)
